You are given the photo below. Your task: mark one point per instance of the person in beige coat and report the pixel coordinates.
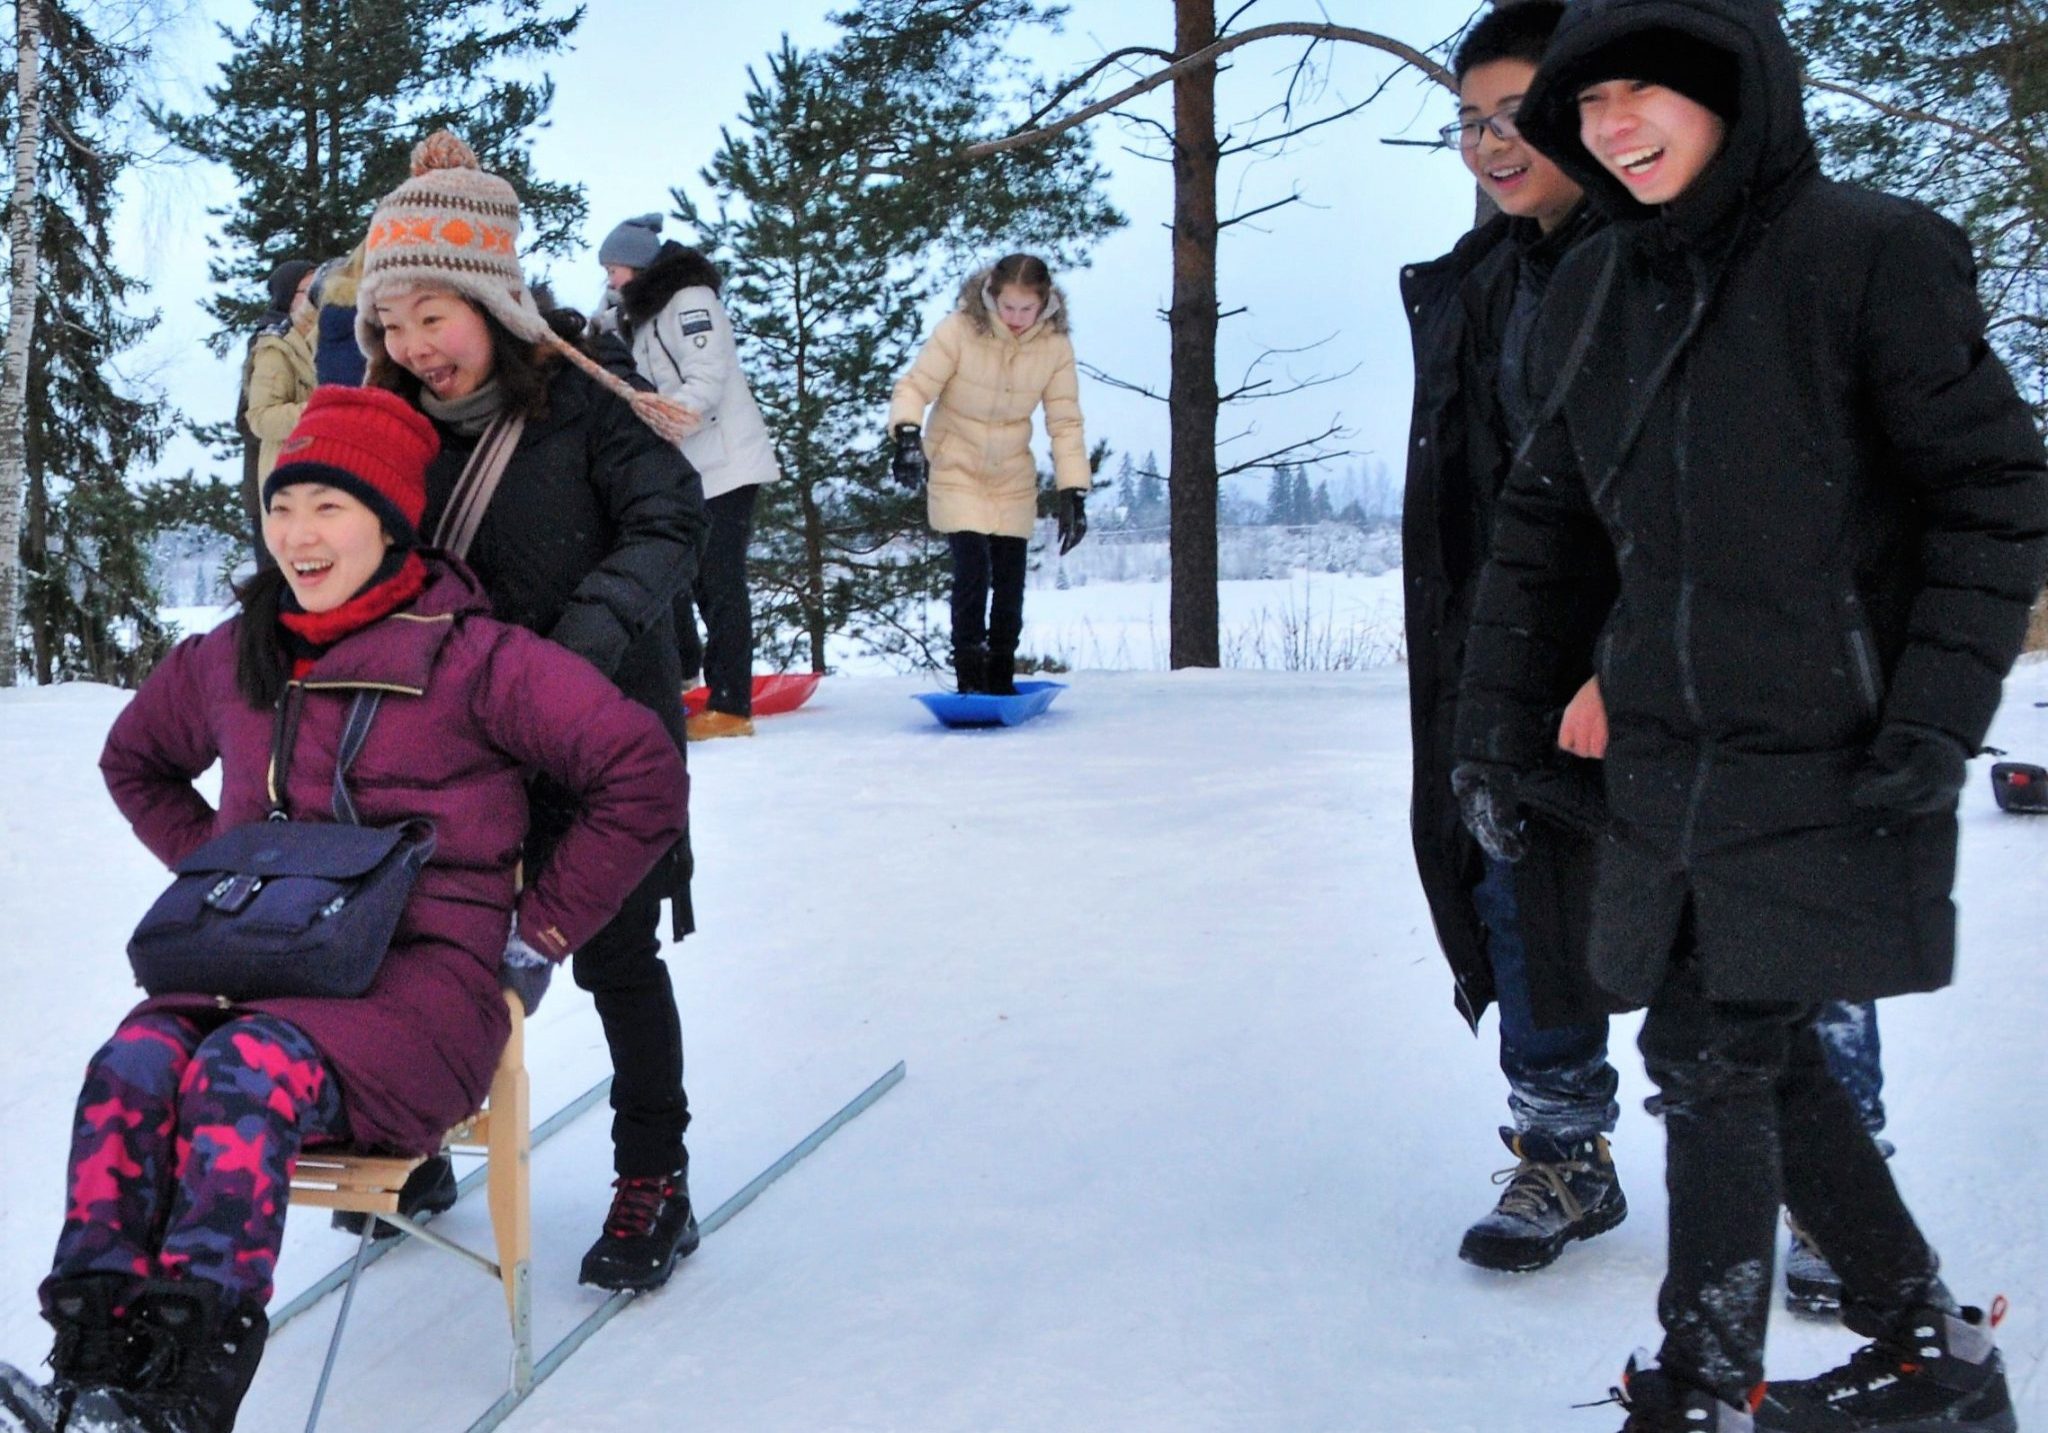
(280, 378)
(1002, 353)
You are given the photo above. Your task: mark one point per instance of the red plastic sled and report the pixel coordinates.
(781, 692)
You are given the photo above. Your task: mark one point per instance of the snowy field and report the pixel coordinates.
(1190, 1129)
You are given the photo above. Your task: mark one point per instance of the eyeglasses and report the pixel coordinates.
(1465, 133)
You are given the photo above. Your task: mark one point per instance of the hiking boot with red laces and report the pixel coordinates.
(649, 1228)
(1657, 1402)
(1927, 1372)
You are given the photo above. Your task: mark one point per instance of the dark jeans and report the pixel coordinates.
(982, 563)
(1559, 1080)
(726, 653)
(1754, 1118)
(621, 967)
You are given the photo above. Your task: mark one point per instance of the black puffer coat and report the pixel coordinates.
(1458, 452)
(1828, 510)
(595, 526)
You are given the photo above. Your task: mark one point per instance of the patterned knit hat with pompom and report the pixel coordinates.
(451, 226)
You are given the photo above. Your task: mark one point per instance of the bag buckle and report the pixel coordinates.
(233, 893)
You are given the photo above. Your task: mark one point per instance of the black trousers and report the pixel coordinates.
(726, 654)
(621, 967)
(982, 565)
(1753, 1119)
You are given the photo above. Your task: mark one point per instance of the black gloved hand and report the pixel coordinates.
(525, 971)
(1486, 803)
(1911, 771)
(1073, 515)
(910, 466)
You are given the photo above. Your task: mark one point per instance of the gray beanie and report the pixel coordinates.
(634, 244)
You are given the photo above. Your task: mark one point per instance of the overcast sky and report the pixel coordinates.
(640, 102)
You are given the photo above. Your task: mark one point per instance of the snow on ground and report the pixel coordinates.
(1190, 1129)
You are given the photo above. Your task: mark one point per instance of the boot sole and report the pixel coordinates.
(1520, 1257)
(1815, 1303)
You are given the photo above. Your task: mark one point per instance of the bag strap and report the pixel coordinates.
(479, 482)
(284, 735)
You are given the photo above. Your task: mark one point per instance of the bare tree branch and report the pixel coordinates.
(1921, 116)
(1125, 384)
(1222, 224)
(1281, 455)
(1406, 53)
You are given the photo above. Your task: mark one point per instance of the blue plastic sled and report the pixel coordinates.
(981, 709)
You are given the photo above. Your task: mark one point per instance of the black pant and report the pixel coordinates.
(980, 562)
(726, 655)
(621, 967)
(1753, 1119)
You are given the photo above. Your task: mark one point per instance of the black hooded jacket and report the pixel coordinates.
(1777, 416)
(1466, 312)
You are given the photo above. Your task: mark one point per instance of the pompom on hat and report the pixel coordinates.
(455, 228)
(371, 444)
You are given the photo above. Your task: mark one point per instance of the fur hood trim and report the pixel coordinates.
(979, 305)
(674, 269)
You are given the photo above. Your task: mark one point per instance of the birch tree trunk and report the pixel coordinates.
(21, 319)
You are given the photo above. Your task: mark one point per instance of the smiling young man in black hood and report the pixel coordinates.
(1772, 412)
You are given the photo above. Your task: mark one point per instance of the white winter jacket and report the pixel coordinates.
(683, 344)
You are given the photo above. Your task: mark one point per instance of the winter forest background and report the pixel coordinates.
(1226, 197)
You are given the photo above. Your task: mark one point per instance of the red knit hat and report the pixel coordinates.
(368, 442)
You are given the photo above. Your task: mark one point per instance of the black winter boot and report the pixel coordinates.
(1659, 1403)
(1002, 671)
(1560, 1191)
(650, 1227)
(93, 1348)
(200, 1352)
(428, 1190)
(970, 668)
(1927, 1372)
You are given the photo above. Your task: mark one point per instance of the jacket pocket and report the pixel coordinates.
(1864, 674)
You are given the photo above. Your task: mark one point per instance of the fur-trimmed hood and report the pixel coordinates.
(979, 305)
(674, 269)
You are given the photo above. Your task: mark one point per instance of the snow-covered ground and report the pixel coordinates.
(1190, 1129)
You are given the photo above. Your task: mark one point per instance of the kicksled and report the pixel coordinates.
(984, 709)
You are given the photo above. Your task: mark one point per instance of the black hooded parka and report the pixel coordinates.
(1459, 444)
(1777, 416)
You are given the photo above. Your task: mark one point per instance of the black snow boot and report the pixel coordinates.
(428, 1190)
(970, 668)
(1002, 671)
(1560, 1191)
(1659, 1403)
(93, 1348)
(650, 1227)
(1926, 1372)
(199, 1355)
(1811, 1284)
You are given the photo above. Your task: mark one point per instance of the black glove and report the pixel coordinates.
(1073, 518)
(1911, 771)
(910, 466)
(1486, 804)
(525, 971)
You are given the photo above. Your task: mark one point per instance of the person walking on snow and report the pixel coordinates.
(593, 528)
(663, 300)
(193, 1113)
(1768, 406)
(1001, 353)
(1516, 934)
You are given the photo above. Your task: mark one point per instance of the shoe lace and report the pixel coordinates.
(636, 1204)
(93, 1350)
(1533, 1184)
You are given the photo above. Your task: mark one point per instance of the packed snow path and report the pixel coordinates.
(1191, 1128)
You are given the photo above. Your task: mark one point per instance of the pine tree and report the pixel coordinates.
(829, 270)
(89, 601)
(317, 111)
(1279, 498)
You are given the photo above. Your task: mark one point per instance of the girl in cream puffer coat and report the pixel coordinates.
(1001, 353)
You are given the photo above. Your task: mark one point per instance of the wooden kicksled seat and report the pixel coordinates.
(369, 1184)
